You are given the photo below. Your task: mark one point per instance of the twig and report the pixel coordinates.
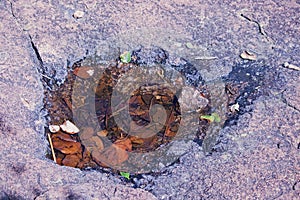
(51, 146)
(206, 58)
(260, 28)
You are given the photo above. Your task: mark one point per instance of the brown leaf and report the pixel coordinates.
(102, 133)
(124, 144)
(98, 142)
(113, 155)
(63, 136)
(87, 132)
(84, 72)
(66, 147)
(71, 160)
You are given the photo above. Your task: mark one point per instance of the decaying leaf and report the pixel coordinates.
(124, 144)
(54, 128)
(69, 127)
(87, 132)
(102, 133)
(71, 160)
(247, 55)
(113, 155)
(98, 142)
(66, 147)
(84, 72)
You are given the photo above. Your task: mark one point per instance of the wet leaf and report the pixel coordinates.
(87, 132)
(110, 156)
(124, 144)
(63, 136)
(98, 142)
(125, 175)
(69, 127)
(66, 147)
(125, 57)
(84, 72)
(71, 160)
(102, 133)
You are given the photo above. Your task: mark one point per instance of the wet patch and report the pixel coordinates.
(244, 84)
(164, 96)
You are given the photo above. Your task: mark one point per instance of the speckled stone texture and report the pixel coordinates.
(257, 158)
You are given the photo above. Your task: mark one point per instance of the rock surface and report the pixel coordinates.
(257, 158)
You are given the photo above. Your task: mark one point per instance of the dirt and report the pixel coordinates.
(255, 156)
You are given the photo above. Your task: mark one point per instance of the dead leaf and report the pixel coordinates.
(248, 55)
(87, 132)
(69, 127)
(124, 144)
(110, 156)
(63, 136)
(71, 160)
(102, 133)
(98, 142)
(84, 72)
(66, 147)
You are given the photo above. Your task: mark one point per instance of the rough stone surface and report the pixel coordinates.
(258, 158)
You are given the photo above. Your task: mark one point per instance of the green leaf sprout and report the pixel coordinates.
(125, 57)
(125, 175)
(214, 117)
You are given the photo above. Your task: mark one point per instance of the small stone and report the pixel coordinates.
(247, 55)
(235, 107)
(189, 45)
(54, 128)
(78, 14)
(291, 66)
(69, 127)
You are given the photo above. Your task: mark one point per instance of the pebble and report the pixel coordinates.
(247, 55)
(54, 128)
(78, 14)
(69, 127)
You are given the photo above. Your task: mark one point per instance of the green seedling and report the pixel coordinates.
(125, 175)
(125, 57)
(214, 117)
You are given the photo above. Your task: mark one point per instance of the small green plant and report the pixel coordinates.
(214, 117)
(125, 57)
(125, 175)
